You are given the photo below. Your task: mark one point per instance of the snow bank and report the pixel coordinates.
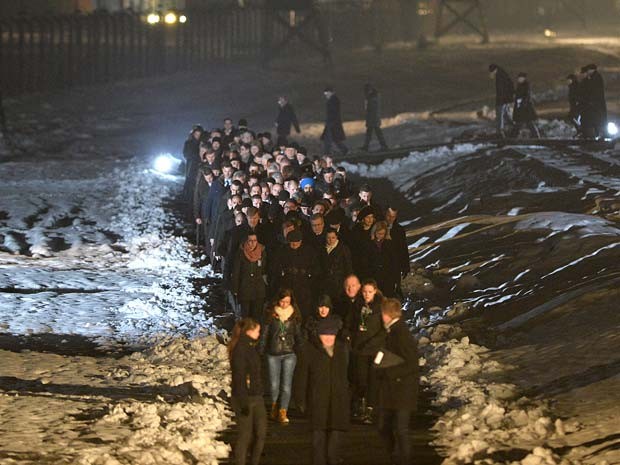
(192, 379)
(482, 420)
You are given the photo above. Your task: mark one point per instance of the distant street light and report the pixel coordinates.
(550, 33)
(182, 19)
(153, 18)
(170, 18)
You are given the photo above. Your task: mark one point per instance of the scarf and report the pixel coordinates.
(252, 255)
(330, 248)
(284, 313)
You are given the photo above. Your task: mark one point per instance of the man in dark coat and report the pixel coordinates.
(326, 379)
(285, 120)
(504, 94)
(296, 267)
(191, 150)
(595, 101)
(373, 117)
(524, 113)
(399, 240)
(333, 133)
(398, 377)
(335, 263)
(574, 98)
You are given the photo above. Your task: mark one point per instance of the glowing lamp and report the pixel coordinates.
(152, 18)
(164, 164)
(170, 18)
(612, 129)
(182, 19)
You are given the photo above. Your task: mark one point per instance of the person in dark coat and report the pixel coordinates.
(296, 266)
(191, 150)
(247, 391)
(382, 258)
(281, 341)
(333, 133)
(367, 337)
(373, 117)
(324, 309)
(347, 302)
(595, 102)
(248, 277)
(523, 113)
(335, 263)
(399, 239)
(574, 111)
(398, 381)
(504, 95)
(285, 120)
(326, 374)
(360, 242)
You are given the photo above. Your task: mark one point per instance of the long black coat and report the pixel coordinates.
(523, 111)
(359, 242)
(373, 112)
(246, 368)
(247, 277)
(595, 112)
(333, 119)
(399, 385)
(286, 119)
(326, 381)
(504, 88)
(370, 341)
(336, 266)
(381, 265)
(399, 239)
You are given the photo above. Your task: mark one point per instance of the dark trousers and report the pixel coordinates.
(394, 430)
(251, 430)
(328, 140)
(251, 308)
(530, 125)
(377, 130)
(364, 379)
(325, 447)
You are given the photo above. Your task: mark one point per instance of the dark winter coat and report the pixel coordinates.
(211, 205)
(336, 266)
(573, 99)
(366, 342)
(246, 368)
(201, 192)
(504, 88)
(333, 120)
(359, 242)
(382, 259)
(523, 111)
(328, 388)
(373, 113)
(399, 239)
(298, 270)
(311, 333)
(247, 277)
(399, 385)
(191, 150)
(281, 338)
(594, 101)
(286, 119)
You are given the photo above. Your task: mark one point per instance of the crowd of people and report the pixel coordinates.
(312, 266)
(586, 98)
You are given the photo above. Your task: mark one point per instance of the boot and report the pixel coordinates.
(274, 411)
(282, 418)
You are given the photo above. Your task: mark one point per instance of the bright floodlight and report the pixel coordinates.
(182, 19)
(550, 33)
(152, 18)
(170, 18)
(612, 129)
(164, 164)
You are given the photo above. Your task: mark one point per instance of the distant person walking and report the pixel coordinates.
(595, 107)
(373, 117)
(285, 120)
(333, 133)
(523, 113)
(398, 378)
(247, 391)
(191, 150)
(574, 102)
(504, 95)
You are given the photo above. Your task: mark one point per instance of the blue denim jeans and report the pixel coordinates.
(281, 369)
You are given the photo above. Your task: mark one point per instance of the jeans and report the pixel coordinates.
(394, 430)
(252, 429)
(281, 369)
(502, 116)
(325, 445)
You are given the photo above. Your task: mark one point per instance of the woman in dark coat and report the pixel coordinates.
(367, 337)
(326, 375)
(324, 309)
(247, 391)
(336, 264)
(382, 260)
(360, 241)
(523, 113)
(248, 282)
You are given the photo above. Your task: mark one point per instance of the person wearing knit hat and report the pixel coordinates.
(324, 382)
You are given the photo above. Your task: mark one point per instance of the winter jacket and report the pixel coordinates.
(359, 241)
(245, 364)
(523, 111)
(325, 385)
(382, 261)
(371, 339)
(310, 328)
(504, 88)
(336, 267)
(399, 384)
(281, 338)
(247, 281)
(285, 119)
(595, 107)
(373, 115)
(333, 120)
(401, 250)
